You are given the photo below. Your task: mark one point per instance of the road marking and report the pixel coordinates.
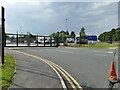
(61, 80)
(99, 51)
(53, 66)
(110, 52)
(100, 55)
(69, 76)
(65, 51)
(73, 86)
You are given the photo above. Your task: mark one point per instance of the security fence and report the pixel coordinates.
(29, 40)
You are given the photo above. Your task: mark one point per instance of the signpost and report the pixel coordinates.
(2, 36)
(0, 52)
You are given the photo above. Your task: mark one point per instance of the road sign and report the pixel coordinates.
(92, 39)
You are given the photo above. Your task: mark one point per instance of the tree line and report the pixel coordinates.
(113, 35)
(64, 34)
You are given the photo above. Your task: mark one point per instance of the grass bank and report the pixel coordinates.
(98, 45)
(7, 72)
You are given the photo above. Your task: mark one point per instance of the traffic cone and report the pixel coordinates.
(113, 75)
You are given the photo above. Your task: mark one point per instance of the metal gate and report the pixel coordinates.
(29, 40)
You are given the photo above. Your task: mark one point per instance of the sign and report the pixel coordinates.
(12, 38)
(92, 39)
(84, 39)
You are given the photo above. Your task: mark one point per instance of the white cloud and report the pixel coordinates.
(46, 13)
(5, 3)
(38, 16)
(102, 4)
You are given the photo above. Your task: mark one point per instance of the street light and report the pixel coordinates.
(66, 30)
(20, 29)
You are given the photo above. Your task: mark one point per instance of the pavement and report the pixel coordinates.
(90, 67)
(33, 73)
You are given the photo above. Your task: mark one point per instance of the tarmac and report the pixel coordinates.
(33, 73)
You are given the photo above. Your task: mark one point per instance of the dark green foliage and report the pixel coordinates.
(113, 35)
(72, 34)
(82, 31)
(62, 34)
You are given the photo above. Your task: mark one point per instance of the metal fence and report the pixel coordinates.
(29, 40)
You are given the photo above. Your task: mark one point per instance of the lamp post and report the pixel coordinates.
(66, 30)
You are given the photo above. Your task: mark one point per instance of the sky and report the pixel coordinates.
(45, 18)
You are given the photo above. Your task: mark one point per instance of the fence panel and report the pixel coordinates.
(29, 40)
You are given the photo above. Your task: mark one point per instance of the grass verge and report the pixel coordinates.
(98, 45)
(7, 72)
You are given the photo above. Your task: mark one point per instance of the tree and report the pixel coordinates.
(62, 36)
(12, 36)
(58, 33)
(7, 36)
(82, 31)
(113, 35)
(72, 35)
(53, 35)
(67, 32)
(114, 38)
(63, 32)
(118, 35)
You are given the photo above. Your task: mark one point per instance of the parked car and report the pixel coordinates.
(25, 41)
(8, 41)
(109, 42)
(34, 41)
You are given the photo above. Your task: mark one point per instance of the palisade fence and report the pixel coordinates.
(29, 40)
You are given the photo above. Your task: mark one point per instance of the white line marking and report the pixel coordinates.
(65, 51)
(110, 52)
(100, 55)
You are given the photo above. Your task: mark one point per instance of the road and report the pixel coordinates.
(89, 66)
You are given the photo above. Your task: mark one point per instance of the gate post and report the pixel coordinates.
(37, 40)
(50, 41)
(57, 41)
(44, 41)
(28, 39)
(2, 36)
(17, 39)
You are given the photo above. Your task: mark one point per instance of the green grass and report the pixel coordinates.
(98, 45)
(117, 42)
(7, 72)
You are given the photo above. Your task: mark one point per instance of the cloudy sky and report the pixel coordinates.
(48, 17)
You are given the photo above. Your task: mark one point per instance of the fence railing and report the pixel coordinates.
(29, 40)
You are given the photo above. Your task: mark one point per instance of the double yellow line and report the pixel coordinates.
(60, 69)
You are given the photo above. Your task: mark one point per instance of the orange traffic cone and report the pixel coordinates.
(113, 75)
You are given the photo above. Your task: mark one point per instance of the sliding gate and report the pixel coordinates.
(29, 40)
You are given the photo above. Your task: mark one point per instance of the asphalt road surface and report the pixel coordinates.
(89, 66)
